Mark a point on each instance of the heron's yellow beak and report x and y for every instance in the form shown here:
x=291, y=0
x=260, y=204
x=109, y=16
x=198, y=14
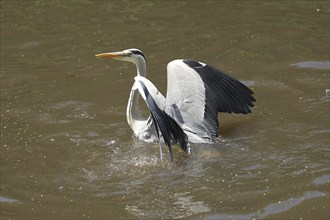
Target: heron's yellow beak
x=111, y=55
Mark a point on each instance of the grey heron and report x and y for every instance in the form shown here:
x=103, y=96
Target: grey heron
x=196, y=92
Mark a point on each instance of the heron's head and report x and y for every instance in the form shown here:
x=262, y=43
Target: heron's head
x=131, y=55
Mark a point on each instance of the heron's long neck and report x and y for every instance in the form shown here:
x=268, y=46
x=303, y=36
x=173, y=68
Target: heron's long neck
x=141, y=67
x=133, y=113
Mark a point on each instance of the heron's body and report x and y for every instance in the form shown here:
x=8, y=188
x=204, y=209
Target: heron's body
x=144, y=129
x=196, y=92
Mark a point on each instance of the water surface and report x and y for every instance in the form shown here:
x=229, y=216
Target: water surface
x=68, y=153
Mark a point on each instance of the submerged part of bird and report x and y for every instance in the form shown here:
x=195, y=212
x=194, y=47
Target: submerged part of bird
x=196, y=93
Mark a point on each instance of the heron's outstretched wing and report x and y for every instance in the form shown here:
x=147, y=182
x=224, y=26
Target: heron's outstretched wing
x=167, y=126
x=196, y=92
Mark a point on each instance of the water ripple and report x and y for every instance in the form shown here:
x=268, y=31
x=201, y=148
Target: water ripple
x=323, y=65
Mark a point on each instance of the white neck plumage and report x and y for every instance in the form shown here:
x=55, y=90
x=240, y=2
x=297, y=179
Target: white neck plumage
x=133, y=113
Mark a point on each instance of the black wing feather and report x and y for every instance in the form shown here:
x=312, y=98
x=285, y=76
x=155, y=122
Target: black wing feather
x=167, y=126
x=223, y=94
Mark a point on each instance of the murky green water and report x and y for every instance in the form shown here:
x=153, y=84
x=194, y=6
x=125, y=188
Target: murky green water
x=68, y=153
